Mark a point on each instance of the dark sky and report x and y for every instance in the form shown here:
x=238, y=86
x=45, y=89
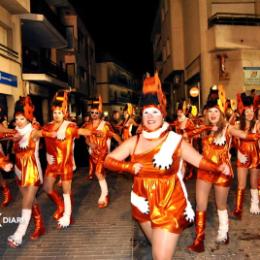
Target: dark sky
x=122, y=28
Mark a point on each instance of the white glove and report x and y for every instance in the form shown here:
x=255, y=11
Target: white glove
x=140, y=202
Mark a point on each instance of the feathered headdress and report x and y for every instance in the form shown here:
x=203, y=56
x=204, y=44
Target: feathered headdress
x=98, y=103
x=153, y=94
x=182, y=105
x=129, y=108
x=217, y=98
x=60, y=101
x=243, y=102
x=25, y=106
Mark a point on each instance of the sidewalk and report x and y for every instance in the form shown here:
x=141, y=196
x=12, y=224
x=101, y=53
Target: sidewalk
x=97, y=233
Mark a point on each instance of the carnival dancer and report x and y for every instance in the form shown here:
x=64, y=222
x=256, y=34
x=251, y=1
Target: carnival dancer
x=216, y=146
x=182, y=125
x=7, y=197
x=159, y=197
x=28, y=172
x=128, y=122
x=59, y=139
x=99, y=143
x=247, y=157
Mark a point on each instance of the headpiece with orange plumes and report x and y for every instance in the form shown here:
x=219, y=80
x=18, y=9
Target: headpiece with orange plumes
x=243, y=102
x=60, y=101
x=129, y=108
x=153, y=94
x=98, y=104
x=217, y=98
x=25, y=106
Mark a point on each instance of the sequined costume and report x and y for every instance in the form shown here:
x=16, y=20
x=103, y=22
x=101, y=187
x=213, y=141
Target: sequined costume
x=100, y=138
x=27, y=163
x=247, y=153
x=59, y=150
x=216, y=149
x=162, y=189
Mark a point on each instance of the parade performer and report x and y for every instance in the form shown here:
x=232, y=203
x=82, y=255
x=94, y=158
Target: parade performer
x=28, y=172
x=159, y=197
x=215, y=145
x=182, y=125
x=128, y=122
x=59, y=139
x=247, y=157
x=7, y=197
x=99, y=143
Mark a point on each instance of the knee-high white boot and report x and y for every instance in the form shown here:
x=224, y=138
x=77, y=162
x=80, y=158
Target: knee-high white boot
x=223, y=227
x=64, y=221
x=254, y=208
x=16, y=239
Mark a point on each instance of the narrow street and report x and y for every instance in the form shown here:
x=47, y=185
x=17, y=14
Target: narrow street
x=110, y=233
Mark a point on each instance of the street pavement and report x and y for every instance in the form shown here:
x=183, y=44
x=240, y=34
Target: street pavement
x=111, y=233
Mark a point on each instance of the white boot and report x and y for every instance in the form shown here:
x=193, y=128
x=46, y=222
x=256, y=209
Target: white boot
x=254, y=208
x=64, y=221
x=16, y=239
x=104, y=190
x=223, y=226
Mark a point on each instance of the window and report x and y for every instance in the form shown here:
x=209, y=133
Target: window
x=3, y=36
x=70, y=36
x=168, y=49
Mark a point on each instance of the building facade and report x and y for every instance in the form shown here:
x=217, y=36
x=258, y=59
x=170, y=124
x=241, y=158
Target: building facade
x=116, y=85
x=11, y=83
x=206, y=42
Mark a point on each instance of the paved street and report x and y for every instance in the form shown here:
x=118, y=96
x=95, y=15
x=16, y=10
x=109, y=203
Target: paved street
x=111, y=234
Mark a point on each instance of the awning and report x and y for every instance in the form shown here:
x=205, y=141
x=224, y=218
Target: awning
x=37, y=31
x=45, y=79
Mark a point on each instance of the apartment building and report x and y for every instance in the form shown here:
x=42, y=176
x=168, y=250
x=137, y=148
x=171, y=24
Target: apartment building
x=200, y=43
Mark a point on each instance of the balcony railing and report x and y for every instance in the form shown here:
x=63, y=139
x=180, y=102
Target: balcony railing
x=8, y=53
x=43, y=66
x=234, y=19
x=40, y=7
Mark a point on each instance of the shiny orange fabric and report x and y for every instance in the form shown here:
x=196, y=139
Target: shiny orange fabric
x=98, y=154
x=25, y=161
x=249, y=149
x=126, y=132
x=163, y=191
x=62, y=151
x=217, y=154
x=188, y=127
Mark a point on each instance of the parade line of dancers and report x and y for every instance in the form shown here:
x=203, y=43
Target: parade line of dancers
x=161, y=156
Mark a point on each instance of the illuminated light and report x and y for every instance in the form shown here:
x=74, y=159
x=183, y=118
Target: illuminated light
x=194, y=91
x=105, y=113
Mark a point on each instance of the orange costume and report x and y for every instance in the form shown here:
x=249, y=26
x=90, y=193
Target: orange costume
x=248, y=153
x=216, y=149
x=163, y=189
x=100, y=137
x=27, y=163
x=189, y=126
x=59, y=150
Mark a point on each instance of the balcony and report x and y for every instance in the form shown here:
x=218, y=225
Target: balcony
x=43, y=70
x=42, y=28
x=233, y=31
x=16, y=6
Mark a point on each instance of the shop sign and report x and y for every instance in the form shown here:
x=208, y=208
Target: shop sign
x=8, y=79
x=251, y=76
x=194, y=91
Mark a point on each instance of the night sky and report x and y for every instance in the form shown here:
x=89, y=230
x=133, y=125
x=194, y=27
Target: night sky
x=121, y=28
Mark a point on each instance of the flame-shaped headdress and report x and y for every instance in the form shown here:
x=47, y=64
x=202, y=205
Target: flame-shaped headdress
x=25, y=106
x=153, y=94
x=129, y=108
x=98, y=103
x=243, y=102
x=60, y=101
x=217, y=98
